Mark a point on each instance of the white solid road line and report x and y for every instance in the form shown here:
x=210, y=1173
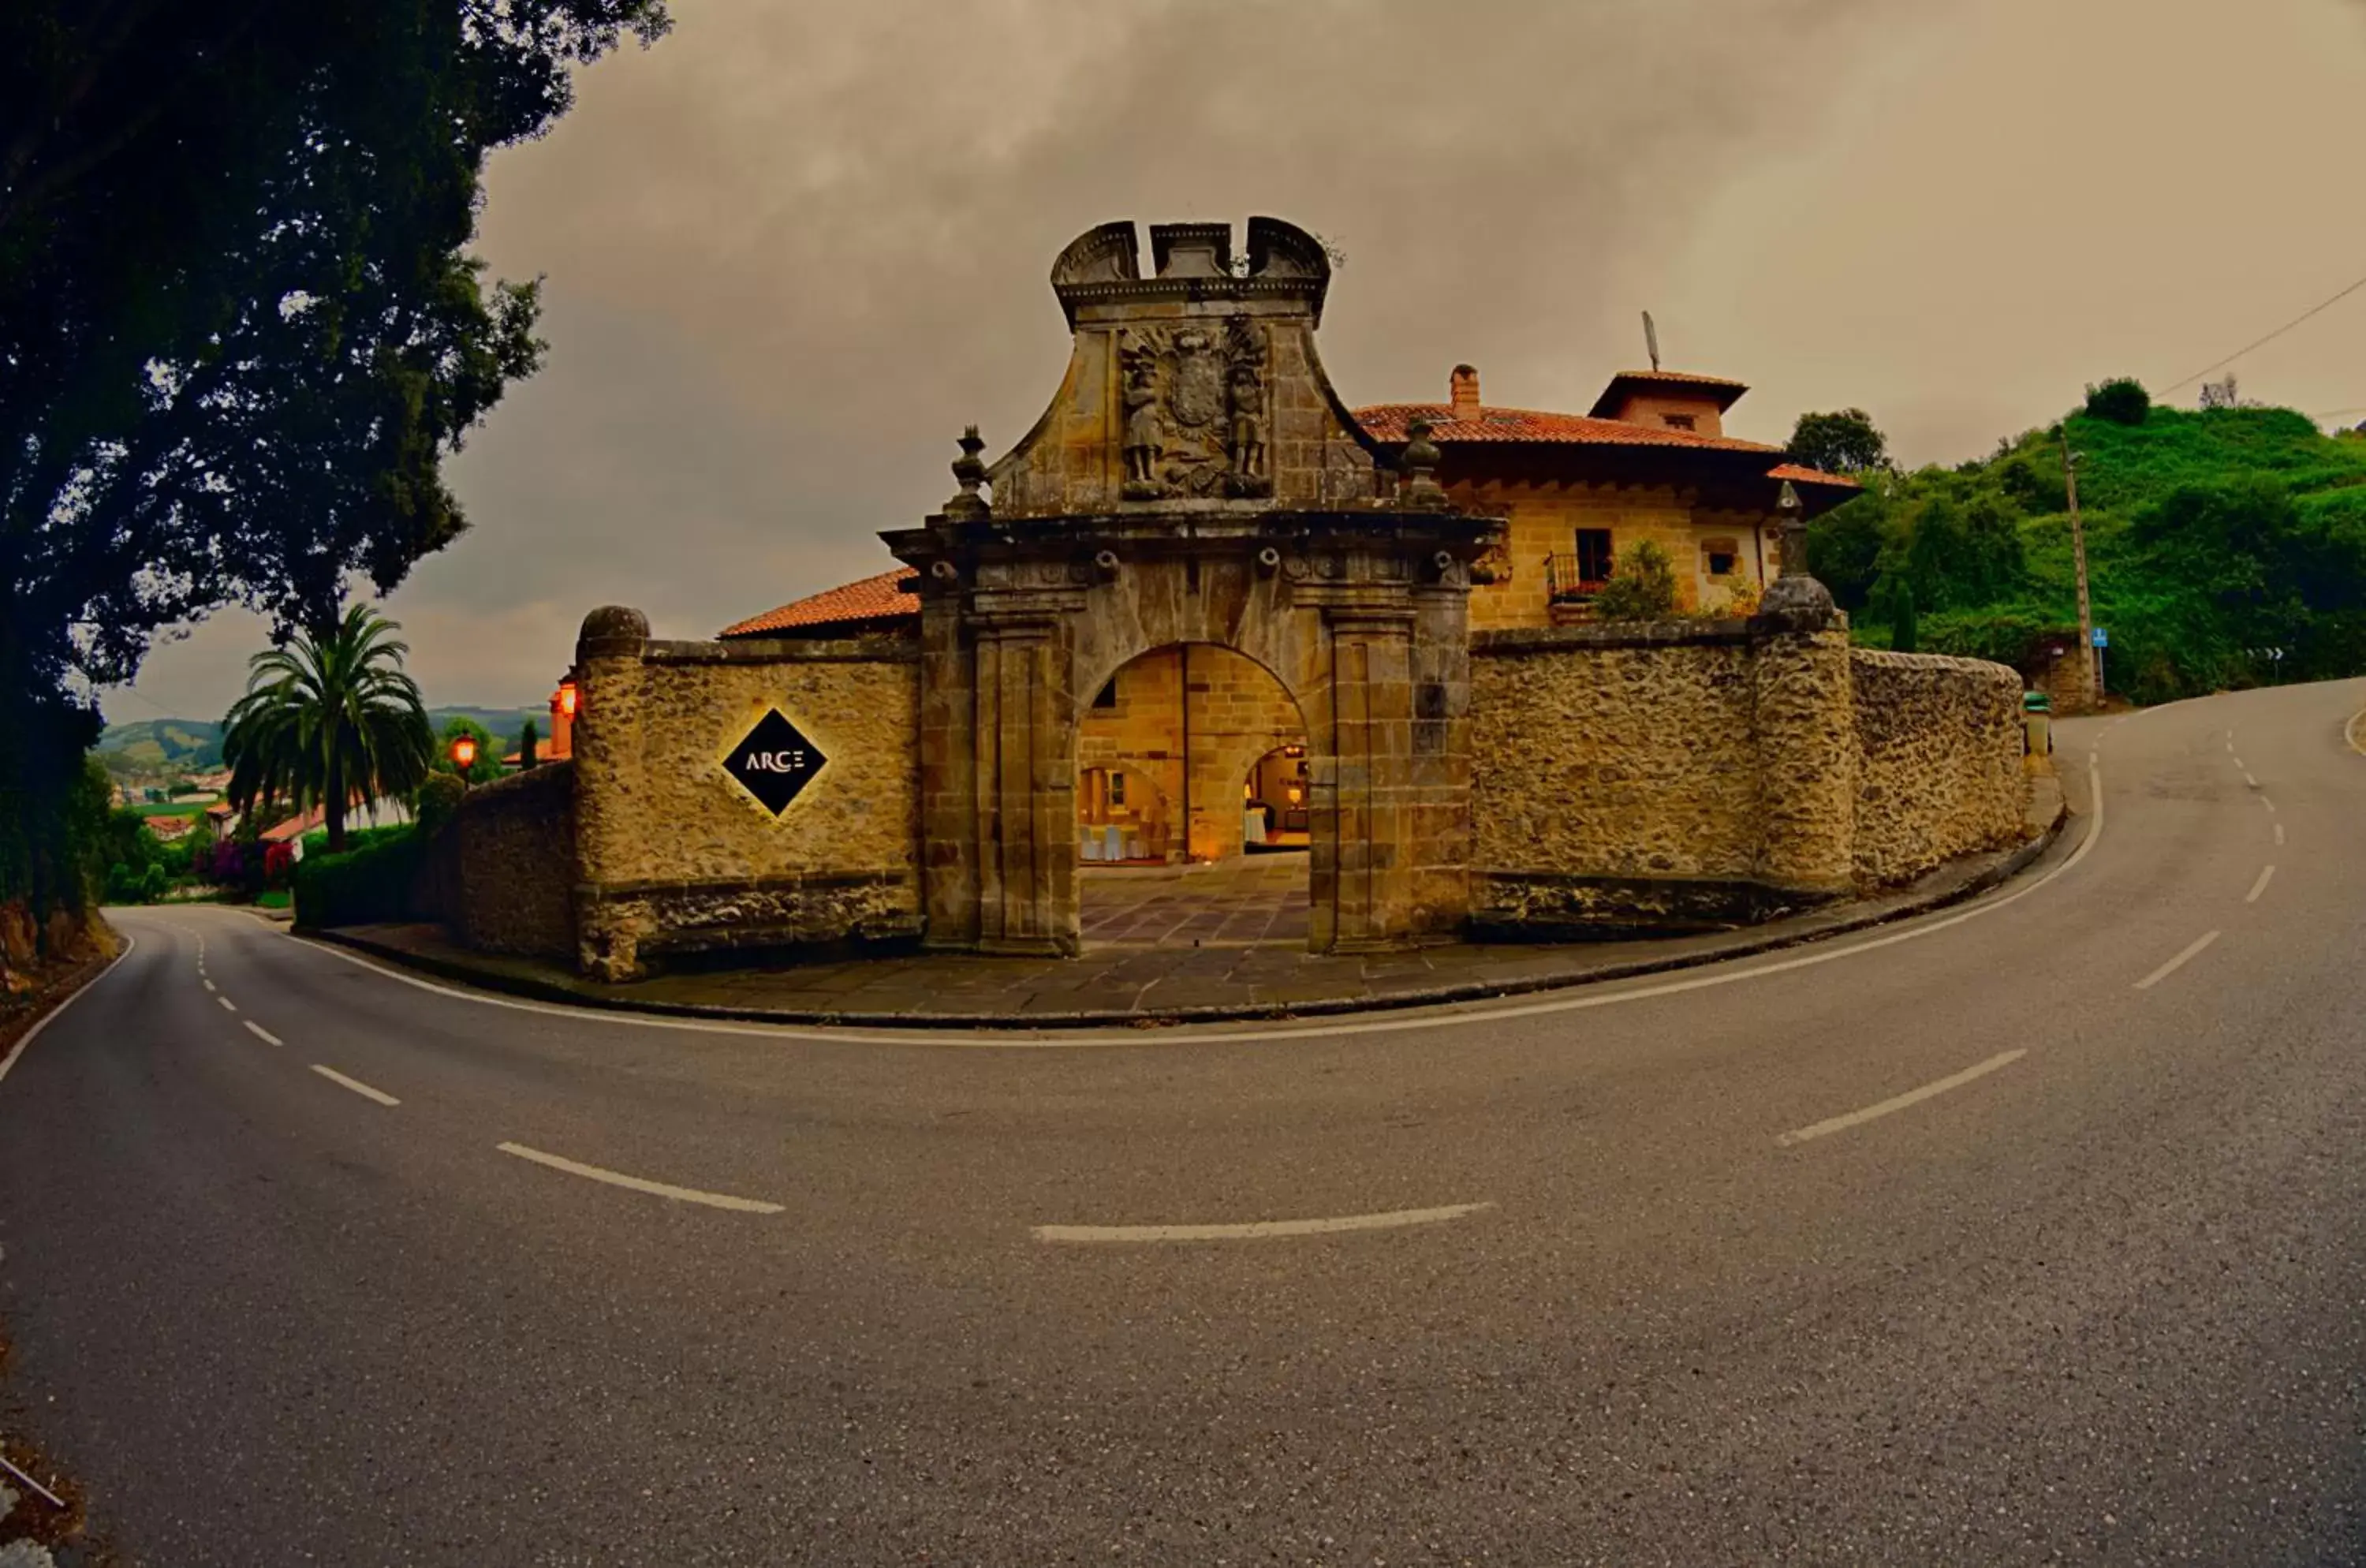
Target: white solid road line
x=1257, y=1230
x=658, y=1188
x=2350, y=732
x=227, y=1004
x=1899, y=1103
x=263, y=1035
x=1089, y=1040
x=2165, y=970
x=359, y=1087
x=2259, y=886
x=52, y=1016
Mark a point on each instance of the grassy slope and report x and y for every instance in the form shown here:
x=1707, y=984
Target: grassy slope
x=2123, y=470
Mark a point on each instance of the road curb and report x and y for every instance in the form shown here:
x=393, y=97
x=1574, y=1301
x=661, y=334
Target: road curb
x=1806, y=928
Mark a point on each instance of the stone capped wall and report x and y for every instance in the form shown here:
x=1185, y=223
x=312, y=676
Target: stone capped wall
x=500, y=873
x=672, y=853
x=1939, y=743
x=1633, y=777
x=1615, y=776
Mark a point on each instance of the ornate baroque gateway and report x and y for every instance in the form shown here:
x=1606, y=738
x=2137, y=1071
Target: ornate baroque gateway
x=1196, y=479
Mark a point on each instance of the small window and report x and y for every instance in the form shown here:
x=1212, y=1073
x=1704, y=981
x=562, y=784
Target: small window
x=1593, y=556
x=1117, y=789
x=1722, y=557
x=1677, y=420
x=1108, y=695
x=1720, y=564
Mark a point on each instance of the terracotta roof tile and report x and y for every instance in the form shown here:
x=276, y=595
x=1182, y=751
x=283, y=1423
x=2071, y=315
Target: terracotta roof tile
x=887, y=597
x=1799, y=475
x=1387, y=422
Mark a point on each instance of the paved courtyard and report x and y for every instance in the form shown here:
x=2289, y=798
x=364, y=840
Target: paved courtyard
x=1245, y=901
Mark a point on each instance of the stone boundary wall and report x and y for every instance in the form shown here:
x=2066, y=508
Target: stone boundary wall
x=1614, y=775
x=1657, y=776
x=500, y=873
x=673, y=855
x=1940, y=772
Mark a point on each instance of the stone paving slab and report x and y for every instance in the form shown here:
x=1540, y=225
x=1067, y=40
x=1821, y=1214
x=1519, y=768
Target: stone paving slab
x=1171, y=985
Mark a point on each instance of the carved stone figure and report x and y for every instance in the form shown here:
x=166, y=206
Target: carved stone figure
x=1141, y=446
x=1247, y=444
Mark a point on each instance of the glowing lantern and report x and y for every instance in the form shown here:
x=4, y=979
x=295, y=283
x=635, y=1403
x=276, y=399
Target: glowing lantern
x=564, y=701
x=463, y=753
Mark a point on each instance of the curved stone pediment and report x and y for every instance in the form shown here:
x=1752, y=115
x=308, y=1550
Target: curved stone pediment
x=1196, y=387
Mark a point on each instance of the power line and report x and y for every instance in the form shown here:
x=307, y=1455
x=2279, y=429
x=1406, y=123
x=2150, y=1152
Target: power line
x=2304, y=315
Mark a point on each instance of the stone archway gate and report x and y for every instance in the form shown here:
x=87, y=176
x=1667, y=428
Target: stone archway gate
x=1195, y=479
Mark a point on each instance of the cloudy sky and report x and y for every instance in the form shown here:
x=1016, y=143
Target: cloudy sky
x=794, y=248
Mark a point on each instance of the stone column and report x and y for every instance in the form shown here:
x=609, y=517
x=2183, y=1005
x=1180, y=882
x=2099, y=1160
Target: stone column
x=1026, y=797
x=1369, y=786
x=949, y=842
x=608, y=752
x=1806, y=728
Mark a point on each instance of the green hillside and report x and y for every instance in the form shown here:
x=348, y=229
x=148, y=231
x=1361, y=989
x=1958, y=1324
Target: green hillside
x=190, y=744
x=2212, y=537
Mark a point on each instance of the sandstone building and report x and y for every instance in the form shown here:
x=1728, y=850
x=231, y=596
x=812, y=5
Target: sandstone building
x=1203, y=607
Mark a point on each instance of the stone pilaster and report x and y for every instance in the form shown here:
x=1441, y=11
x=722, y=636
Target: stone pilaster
x=1805, y=727
x=607, y=742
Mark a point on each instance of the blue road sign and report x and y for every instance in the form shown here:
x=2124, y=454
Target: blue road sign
x=2099, y=637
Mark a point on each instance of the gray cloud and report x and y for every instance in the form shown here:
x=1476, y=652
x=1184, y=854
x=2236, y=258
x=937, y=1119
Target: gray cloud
x=792, y=251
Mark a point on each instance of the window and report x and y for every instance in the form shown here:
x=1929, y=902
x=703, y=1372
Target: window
x=1720, y=563
x=1677, y=420
x=1117, y=789
x=1107, y=697
x=1723, y=557
x=1594, y=555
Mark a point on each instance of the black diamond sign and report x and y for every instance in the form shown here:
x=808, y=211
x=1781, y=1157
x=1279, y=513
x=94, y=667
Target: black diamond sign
x=775, y=763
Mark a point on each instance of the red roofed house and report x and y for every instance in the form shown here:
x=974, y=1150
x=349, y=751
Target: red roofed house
x=1650, y=460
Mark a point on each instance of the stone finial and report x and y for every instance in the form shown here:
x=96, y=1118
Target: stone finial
x=968, y=505
x=611, y=630
x=1794, y=600
x=1420, y=491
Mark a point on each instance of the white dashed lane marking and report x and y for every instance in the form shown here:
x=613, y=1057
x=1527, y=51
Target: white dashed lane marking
x=263, y=1035
x=359, y=1087
x=1257, y=1230
x=1899, y=1103
x=227, y=1004
x=2259, y=886
x=2165, y=970
x=637, y=1184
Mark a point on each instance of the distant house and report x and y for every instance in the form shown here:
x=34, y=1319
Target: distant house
x=385, y=811
x=170, y=828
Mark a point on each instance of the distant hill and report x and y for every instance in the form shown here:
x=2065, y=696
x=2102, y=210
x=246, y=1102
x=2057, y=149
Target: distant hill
x=194, y=745
x=2213, y=539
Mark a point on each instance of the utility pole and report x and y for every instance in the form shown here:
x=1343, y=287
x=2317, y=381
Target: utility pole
x=2078, y=554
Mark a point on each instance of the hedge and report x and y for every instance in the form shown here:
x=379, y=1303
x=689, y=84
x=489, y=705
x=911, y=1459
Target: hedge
x=361, y=886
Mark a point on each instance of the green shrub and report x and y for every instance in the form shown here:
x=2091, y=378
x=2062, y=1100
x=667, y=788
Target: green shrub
x=361, y=886
x=436, y=800
x=1642, y=588
x=2122, y=401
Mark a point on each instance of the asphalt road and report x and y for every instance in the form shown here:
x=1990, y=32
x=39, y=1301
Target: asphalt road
x=2099, y=1297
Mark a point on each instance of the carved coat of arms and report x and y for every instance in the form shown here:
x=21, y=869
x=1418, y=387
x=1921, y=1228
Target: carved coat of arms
x=1194, y=402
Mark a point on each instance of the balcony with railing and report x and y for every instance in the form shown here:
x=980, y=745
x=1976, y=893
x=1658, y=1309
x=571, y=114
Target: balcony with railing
x=1566, y=584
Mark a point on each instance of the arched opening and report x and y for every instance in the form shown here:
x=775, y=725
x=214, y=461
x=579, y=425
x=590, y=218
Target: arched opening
x=1177, y=843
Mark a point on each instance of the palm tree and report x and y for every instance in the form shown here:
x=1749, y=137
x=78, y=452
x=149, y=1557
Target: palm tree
x=329, y=722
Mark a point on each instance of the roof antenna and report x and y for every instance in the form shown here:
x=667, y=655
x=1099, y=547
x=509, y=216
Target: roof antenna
x=1652, y=341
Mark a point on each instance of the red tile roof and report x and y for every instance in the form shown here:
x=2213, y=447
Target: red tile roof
x=1387, y=422
x=1806, y=475
x=1722, y=390
x=885, y=597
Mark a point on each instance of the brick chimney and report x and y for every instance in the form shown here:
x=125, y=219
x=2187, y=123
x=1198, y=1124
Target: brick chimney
x=1464, y=387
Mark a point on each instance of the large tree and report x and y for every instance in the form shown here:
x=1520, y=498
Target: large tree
x=1847, y=442
x=238, y=329
x=330, y=721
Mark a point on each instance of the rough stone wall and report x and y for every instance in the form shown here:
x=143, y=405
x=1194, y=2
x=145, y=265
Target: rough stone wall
x=1940, y=742
x=1614, y=752
x=502, y=869
x=1544, y=520
x=671, y=853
